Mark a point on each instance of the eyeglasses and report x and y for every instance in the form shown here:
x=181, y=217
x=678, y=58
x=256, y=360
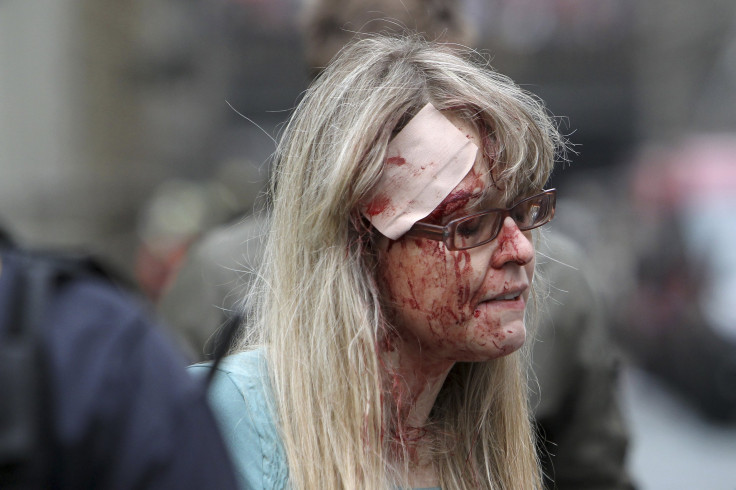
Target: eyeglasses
x=481, y=228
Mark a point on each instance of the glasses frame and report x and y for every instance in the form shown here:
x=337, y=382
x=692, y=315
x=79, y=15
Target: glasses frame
x=446, y=233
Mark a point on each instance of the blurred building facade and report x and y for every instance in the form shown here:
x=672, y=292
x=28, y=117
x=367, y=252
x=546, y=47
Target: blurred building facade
x=102, y=101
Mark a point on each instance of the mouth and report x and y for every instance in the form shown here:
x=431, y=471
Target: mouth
x=511, y=300
x=507, y=297
x=513, y=293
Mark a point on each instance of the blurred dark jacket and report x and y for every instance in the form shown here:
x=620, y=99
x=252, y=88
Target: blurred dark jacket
x=93, y=395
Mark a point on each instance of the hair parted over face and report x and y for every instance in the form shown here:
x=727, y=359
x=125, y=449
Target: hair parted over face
x=322, y=307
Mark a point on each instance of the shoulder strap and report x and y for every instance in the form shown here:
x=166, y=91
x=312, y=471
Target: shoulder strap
x=22, y=455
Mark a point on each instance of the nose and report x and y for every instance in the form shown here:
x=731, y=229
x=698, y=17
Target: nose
x=512, y=246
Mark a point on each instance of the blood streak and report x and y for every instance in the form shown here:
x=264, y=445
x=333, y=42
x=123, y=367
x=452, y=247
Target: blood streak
x=462, y=263
x=430, y=248
x=457, y=200
x=452, y=203
x=412, y=301
x=388, y=342
x=463, y=268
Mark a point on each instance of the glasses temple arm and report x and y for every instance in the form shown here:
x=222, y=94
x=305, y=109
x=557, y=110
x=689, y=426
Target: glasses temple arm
x=425, y=230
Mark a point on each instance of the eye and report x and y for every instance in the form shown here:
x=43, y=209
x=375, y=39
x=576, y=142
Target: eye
x=469, y=227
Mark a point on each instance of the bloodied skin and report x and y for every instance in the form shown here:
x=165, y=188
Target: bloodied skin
x=449, y=306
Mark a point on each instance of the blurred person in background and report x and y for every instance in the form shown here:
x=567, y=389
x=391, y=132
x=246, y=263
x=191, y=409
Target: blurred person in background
x=330, y=24
x=177, y=215
x=577, y=408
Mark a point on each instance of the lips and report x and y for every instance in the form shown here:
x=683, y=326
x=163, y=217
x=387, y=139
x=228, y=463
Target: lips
x=511, y=294
x=507, y=297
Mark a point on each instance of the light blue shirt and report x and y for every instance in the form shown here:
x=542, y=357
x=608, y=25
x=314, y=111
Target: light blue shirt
x=240, y=396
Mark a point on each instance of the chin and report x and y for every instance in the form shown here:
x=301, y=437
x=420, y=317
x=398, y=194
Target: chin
x=505, y=340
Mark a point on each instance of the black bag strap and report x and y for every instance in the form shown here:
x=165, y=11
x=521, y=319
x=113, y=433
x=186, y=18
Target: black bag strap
x=23, y=448
x=223, y=342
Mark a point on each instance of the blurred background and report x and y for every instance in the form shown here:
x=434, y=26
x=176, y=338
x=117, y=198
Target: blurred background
x=130, y=127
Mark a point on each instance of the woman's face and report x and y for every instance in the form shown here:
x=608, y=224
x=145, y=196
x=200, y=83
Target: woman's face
x=463, y=305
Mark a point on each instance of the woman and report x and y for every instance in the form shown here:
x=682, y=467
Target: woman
x=382, y=349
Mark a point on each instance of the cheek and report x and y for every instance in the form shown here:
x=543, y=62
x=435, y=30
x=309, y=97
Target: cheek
x=424, y=284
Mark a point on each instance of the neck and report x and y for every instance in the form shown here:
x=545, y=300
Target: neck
x=415, y=380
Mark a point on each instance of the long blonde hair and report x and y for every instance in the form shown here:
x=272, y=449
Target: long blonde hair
x=318, y=311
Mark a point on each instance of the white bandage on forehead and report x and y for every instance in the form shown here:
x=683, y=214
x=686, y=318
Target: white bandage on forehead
x=425, y=161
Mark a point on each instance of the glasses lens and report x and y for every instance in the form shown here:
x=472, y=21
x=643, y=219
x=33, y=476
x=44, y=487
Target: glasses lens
x=533, y=212
x=475, y=230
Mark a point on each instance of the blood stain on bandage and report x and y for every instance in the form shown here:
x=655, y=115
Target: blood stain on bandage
x=396, y=161
x=378, y=205
x=419, y=170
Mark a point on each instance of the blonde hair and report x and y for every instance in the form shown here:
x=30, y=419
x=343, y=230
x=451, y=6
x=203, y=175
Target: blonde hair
x=317, y=308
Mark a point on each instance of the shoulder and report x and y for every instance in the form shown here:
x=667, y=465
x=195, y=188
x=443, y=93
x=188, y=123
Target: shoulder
x=241, y=398
x=241, y=380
